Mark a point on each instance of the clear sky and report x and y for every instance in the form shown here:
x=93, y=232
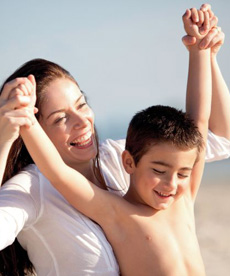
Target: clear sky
x=125, y=54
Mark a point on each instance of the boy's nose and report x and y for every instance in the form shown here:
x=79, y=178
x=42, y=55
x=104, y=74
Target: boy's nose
x=172, y=182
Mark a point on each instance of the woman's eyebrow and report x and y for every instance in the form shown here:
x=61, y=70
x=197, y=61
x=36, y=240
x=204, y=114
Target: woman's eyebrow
x=63, y=109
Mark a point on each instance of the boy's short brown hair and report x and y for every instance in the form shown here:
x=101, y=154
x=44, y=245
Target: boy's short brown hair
x=161, y=124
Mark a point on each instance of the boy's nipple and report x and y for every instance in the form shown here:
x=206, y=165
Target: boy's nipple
x=148, y=237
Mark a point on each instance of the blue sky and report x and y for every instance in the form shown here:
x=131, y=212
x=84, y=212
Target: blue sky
x=126, y=55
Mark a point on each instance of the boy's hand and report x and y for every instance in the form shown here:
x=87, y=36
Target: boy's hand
x=213, y=19
x=197, y=23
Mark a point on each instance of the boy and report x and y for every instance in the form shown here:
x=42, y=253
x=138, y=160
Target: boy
x=151, y=229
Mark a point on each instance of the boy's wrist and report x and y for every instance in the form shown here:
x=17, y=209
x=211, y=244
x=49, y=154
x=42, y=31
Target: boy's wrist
x=195, y=47
x=197, y=52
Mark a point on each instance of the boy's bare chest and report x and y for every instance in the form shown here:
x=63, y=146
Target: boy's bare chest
x=160, y=246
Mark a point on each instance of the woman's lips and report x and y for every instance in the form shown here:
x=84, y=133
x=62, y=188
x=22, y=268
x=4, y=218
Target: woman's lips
x=83, y=141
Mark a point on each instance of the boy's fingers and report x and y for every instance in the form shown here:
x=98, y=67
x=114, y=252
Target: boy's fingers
x=186, y=15
x=206, y=21
x=206, y=25
x=32, y=79
x=29, y=86
x=35, y=110
x=15, y=92
x=201, y=18
x=23, y=89
x=195, y=17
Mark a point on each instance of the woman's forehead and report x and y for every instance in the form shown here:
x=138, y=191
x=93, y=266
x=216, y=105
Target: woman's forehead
x=61, y=93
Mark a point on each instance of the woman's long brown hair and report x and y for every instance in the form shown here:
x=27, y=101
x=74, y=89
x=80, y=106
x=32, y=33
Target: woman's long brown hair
x=14, y=260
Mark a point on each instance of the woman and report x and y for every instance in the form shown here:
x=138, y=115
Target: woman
x=58, y=239
x=48, y=223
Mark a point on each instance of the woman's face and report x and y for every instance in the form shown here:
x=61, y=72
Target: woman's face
x=69, y=122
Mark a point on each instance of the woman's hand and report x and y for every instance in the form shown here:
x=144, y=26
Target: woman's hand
x=16, y=105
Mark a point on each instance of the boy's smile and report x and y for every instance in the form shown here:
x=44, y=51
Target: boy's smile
x=161, y=176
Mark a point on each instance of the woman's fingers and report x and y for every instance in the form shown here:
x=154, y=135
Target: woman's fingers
x=12, y=120
x=214, y=37
x=207, y=8
x=23, y=86
x=188, y=40
x=9, y=86
x=16, y=102
x=206, y=24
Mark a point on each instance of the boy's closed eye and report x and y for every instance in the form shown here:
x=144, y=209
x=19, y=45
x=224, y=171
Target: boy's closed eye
x=158, y=171
x=182, y=175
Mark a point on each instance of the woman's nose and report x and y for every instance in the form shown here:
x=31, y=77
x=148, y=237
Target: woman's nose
x=79, y=121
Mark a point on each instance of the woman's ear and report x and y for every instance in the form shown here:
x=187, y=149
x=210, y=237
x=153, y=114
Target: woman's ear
x=128, y=162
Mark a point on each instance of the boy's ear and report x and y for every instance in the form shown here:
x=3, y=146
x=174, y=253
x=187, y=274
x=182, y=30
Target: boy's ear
x=128, y=162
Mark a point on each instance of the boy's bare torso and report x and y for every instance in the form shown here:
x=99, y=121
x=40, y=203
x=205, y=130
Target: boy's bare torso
x=162, y=243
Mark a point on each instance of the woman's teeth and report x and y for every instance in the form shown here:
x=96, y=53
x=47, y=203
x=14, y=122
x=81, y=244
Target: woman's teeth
x=83, y=140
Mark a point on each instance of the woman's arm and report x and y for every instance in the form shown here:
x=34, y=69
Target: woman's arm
x=12, y=116
x=19, y=204
x=219, y=122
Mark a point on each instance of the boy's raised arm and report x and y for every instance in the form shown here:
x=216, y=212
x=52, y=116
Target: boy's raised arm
x=77, y=189
x=198, y=99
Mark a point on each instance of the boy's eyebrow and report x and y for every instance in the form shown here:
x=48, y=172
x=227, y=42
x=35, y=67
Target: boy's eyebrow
x=169, y=166
x=61, y=110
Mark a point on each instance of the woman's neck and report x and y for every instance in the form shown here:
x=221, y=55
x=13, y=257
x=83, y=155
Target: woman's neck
x=87, y=170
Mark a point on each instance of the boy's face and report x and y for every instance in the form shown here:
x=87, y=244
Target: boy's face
x=162, y=175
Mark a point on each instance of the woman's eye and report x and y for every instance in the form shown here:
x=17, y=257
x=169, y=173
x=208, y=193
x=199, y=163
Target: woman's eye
x=157, y=171
x=81, y=105
x=60, y=119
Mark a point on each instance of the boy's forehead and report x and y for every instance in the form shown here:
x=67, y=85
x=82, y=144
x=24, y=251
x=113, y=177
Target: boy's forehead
x=162, y=150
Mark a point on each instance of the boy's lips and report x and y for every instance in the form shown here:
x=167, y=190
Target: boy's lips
x=163, y=195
